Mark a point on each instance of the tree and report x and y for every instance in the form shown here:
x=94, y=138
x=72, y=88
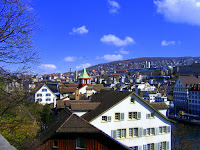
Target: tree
x=180, y=139
x=16, y=30
x=46, y=115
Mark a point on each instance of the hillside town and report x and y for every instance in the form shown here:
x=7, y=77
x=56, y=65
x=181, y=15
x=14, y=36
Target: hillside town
x=131, y=108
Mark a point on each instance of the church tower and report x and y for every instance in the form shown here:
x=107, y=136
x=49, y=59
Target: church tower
x=84, y=79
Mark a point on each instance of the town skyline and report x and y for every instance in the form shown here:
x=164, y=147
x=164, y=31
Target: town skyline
x=71, y=32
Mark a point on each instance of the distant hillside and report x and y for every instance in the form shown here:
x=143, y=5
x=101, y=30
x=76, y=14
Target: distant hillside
x=139, y=62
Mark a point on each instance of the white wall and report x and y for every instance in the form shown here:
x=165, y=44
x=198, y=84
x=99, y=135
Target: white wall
x=124, y=107
x=44, y=97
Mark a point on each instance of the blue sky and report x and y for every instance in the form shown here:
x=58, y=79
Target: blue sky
x=99, y=31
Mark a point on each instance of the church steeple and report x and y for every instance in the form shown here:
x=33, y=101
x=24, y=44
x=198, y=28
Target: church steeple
x=84, y=79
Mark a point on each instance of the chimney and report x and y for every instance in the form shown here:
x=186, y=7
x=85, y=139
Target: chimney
x=77, y=97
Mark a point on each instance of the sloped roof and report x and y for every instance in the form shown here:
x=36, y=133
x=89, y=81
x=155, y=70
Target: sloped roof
x=84, y=106
x=110, y=98
x=67, y=89
x=189, y=80
x=84, y=74
x=107, y=99
x=159, y=105
x=67, y=103
x=67, y=123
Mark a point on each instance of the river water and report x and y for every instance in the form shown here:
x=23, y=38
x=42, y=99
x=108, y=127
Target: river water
x=186, y=134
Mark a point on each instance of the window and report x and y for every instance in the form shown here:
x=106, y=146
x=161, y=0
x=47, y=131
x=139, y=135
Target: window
x=134, y=115
x=48, y=99
x=121, y=133
x=150, y=116
x=150, y=131
x=39, y=99
x=148, y=146
x=119, y=116
x=164, y=129
x=132, y=100
x=55, y=144
x=106, y=118
x=48, y=94
x=80, y=143
x=39, y=95
x=133, y=132
x=162, y=146
x=44, y=90
x=134, y=148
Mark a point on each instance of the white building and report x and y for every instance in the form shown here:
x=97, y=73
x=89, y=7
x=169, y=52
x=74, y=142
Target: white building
x=45, y=96
x=132, y=121
x=144, y=87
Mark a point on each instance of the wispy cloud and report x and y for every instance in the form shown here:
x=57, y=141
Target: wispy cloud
x=111, y=57
x=122, y=51
x=80, y=30
x=180, y=11
x=70, y=58
x=113, y=6
x=169, y=43
x=47, y=66
x=82, y=66
x=112, y=39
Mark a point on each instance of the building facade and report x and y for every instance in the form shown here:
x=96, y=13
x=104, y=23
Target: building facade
x=131, y=121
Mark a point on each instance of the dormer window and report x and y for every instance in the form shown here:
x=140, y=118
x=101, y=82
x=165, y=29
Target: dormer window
x=132, y=100
x=44, y=90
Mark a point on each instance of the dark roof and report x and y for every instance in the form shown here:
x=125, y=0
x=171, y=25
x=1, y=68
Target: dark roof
x=68, y=123
x=107, y=99
x=44, y=135
x=110, y=98
x=67, y=103
x=84, y=106
x=67, y=89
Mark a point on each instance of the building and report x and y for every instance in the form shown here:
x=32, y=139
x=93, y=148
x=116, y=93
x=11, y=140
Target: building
x=44, y=95
x=84, y=79
x=194, y=100
x=130, y=120
x=70, y=132
x=180, y=92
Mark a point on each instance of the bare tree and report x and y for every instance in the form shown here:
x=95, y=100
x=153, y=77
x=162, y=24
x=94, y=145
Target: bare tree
x=16, y=31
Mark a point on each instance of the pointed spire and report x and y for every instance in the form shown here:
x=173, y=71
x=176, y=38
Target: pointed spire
x=84, y=73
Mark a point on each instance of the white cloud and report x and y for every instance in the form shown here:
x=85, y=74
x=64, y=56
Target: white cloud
x=47, y=66
x=169, y=43
x=80, y=30
x=82, y=66
x=112, y=57
x=114, y=6
x=122, y=51
x=180, y=11
x=70, y=58
x=117, y=41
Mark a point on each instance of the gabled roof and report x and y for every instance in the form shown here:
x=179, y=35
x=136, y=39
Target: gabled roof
x=67, y=123
x=109, y=99
x=189, y=80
